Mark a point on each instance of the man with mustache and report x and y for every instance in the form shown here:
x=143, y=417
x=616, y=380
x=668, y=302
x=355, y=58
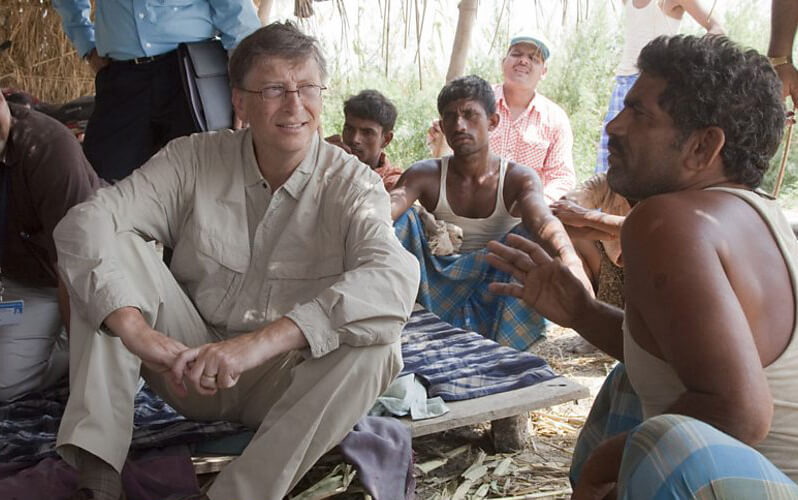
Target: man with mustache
x=369, y=118
x=705, y=401
x=643, y=21
x=532, y=130
x=480, y=192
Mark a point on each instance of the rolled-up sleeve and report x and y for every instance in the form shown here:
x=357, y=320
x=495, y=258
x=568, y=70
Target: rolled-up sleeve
x=374, y=297
x=235, y=19
x=146, y=203
x=77, y=23
x=558, y=173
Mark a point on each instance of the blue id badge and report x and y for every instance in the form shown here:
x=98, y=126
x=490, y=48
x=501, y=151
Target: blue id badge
x=11, y=311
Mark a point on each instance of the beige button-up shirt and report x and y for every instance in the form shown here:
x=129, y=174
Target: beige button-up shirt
x=323, y=252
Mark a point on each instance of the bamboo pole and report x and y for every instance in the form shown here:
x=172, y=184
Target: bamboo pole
x=783, y=165
x=462, y=38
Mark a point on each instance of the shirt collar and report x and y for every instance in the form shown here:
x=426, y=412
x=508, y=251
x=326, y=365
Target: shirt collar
x=296, y=181
x=383, y=161
x=299, y=178
x=498, y=90
x=252, y=173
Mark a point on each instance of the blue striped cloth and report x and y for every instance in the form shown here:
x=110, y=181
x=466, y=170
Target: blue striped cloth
x=616, y=409
x=456, y=364
x=28, y=426
x=620, y=88
x=674, y=456
x=455, y=287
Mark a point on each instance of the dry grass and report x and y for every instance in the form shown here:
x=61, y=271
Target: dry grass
x=41, y=59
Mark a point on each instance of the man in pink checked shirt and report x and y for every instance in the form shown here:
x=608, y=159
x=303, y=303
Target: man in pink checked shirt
x=532, y=130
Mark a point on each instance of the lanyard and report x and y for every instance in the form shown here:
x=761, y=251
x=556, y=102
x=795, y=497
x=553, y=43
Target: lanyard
x=3, y=216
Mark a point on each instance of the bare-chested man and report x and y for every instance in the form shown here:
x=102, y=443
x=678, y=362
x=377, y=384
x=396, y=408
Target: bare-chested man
x=476, y=190
x=711, y=274
x=473, y=175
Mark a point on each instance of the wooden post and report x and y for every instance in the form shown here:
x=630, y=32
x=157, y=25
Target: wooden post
x=462, y=38
x=263, y=11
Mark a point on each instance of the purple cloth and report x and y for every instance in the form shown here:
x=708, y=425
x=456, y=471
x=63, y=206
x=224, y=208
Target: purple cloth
x=380, y=448
x=150, y=475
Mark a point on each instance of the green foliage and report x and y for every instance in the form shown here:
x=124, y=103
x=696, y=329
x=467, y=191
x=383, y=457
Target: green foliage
x=579, y=79
x=416, y=110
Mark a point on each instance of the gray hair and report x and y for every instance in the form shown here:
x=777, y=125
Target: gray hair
x=283, y=40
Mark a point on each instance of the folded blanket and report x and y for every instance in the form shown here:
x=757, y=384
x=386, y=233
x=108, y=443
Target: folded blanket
x=455, y=287
x=456, y=364
x=28, y=426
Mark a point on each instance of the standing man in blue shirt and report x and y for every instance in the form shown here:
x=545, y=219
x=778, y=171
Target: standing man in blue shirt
x=131, y=46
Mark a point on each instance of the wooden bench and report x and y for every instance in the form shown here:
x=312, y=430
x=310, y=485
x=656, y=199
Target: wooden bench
x=493, y=408
x=501, y=409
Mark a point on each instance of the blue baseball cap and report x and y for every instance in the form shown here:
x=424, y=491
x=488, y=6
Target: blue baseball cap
x=534, y=38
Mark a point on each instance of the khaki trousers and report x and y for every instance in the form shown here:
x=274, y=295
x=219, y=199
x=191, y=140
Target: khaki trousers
x=33, y=354
x=300, y=408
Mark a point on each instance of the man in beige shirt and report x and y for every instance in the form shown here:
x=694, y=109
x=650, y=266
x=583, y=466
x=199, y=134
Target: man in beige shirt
x=286, y=296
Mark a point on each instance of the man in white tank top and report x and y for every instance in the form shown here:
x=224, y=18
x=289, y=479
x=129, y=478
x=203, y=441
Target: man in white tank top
x=708, y=336
x=474, y=189
x=644, y=20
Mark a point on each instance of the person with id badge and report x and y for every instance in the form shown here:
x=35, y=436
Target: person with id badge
x=42, y=174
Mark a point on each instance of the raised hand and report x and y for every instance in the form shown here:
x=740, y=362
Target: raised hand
x=542, y=282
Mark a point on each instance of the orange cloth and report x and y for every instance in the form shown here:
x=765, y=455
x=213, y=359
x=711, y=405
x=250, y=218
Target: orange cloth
x=390, y=174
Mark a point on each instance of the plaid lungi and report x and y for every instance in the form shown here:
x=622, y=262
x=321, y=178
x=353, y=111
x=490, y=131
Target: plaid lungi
x=455, y=287
x=616, y=409
x=619, y=90
x=674, y=456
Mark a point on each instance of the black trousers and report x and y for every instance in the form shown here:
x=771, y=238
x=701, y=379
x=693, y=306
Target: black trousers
x=138, y=109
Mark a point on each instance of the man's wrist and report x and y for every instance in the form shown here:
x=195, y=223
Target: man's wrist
x=589, y=314
x=777, y=61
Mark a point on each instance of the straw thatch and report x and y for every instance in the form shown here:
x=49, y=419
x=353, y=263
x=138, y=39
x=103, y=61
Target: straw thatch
x=41, y=59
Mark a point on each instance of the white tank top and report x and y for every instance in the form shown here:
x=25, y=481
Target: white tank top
x=640, y=27
x=477, y=232
x=658, y=386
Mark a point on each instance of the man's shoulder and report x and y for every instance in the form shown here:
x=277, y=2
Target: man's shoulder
x=684, y=216
x=36, y=126
x=206, y=145
x=35, y=136
x=550, y=110
x=340, y=169
x=430, y=167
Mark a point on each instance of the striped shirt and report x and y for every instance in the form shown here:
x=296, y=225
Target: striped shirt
x=539, y=138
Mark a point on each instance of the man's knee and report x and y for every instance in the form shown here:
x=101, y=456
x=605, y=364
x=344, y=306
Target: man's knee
x=656, y=449
x=22, y=371
x=382, y=361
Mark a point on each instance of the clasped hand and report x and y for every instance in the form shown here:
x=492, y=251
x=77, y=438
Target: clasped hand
x=206, y=368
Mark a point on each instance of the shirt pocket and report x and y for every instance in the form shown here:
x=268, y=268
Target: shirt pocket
x=211, y=270
x=295, y=281
x=169, y=10
x=537, y=144
x=170, y=3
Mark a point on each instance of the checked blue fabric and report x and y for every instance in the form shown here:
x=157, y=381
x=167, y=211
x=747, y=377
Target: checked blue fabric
x=620, y=88
x=671, y=457
x=29, y=425
x=455, y=287
x=455, y=364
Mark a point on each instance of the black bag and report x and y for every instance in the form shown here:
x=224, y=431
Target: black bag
x=203, y=68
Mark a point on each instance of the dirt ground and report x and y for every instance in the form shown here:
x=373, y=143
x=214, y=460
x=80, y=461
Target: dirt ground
x=462, y=464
